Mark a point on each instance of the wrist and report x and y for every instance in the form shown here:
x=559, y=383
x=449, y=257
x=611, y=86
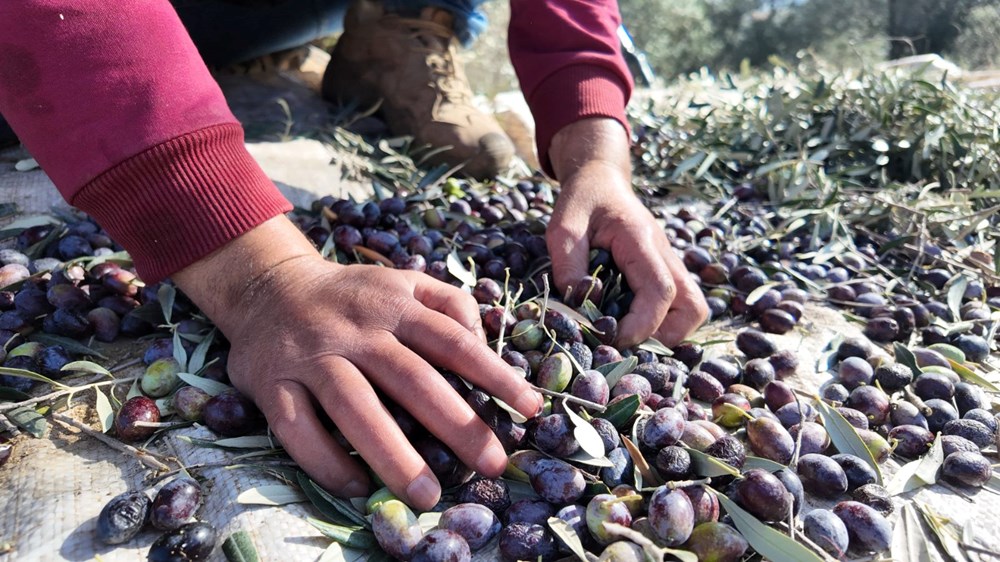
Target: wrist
x=243, y=271
x=593, y=141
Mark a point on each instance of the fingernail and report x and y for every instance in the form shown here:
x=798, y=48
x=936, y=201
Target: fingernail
x=356, y=489
x=423, y=491
x=529, y=401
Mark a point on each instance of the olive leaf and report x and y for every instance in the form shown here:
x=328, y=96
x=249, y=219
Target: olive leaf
x=621, y=411
x=428, y=520
x=336, y=552
x=706, y=465
x=333, y=508
x=239, y=548
x=8, y=394
x=756, y=294
x=211, y=387
x=353, y=537
x=583, y=457
x=586, y=435
x=180, y=354
x=105, y=413
x=31, y=375
x=275, y=494
x=946, y=533
x=567, y=534
x=459, y=271
x=86, y=367
x=649, y=477
x=133, y=390
x=621, y=368
x=166, y=295
x=970, y=375
x=653, y=345
x=581, y=319
x=909, y=540
x=768, y=542
x=515, y=416
x=931, y=462
x=244, y=442
x=762, y=463
x=197, y=360
x=29, y=420
x=845, y=438
x=956, y=291
x=906, y=357
x=68, y=344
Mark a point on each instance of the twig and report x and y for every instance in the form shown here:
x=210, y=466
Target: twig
x=72, y=390
x=126, y=365
x=570, y=398
x=145, y=457
x=9, y=427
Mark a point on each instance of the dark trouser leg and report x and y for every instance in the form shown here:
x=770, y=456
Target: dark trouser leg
x=231, y=31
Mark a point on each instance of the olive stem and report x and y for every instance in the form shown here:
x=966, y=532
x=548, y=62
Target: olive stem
x=9, y=427
x=159, y=425
x=71, y=390
x=145, y=457
x=689, y=483
x=569, y=398
x=912, y=398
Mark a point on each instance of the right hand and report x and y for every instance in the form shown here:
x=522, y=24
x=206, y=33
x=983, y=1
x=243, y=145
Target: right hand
x=309, y=335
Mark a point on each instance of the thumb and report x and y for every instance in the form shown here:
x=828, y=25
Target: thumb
x=569, y=248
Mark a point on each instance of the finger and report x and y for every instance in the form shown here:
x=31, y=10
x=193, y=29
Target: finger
x=652, y=283
x=292, y=418
x=423, y=392
x=569, y=248
x=450, y=301
x=446, y=345
x=353, y=405
x=689, y=309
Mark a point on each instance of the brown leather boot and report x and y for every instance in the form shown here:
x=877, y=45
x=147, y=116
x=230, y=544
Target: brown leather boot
x=411, y=65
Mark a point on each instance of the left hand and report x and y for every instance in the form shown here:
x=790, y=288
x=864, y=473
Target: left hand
x=597, y=208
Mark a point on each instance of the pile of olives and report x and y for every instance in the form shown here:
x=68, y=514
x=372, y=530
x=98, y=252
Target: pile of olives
x=628, y=437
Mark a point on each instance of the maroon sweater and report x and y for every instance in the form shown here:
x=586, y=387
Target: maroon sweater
x=114, y=102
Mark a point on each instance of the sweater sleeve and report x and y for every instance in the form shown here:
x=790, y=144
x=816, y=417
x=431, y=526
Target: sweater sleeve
x=114, y=102
x=568, y=60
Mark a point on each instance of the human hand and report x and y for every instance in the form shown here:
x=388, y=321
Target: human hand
x=597, y=208
x=308, y=336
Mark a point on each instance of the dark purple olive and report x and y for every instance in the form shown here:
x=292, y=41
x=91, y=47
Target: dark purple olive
x=175, y=504
x=123, y=517
x=822, y=476
x=858, y=472
x=893, y=376
x=777, y=321
x=754, y=344
x=763, y=495
x=136, y=409
x=441, y=545
x=231, y=414
x=972, y=430
x=911, y=441
x=967, y=469
x=871, y=402
x=191, y=543
x=875, y=497
x=854, y=372
x=869, y=531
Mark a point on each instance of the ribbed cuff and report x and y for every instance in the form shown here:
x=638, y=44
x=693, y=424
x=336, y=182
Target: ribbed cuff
x=181, y=200
x=574, y=93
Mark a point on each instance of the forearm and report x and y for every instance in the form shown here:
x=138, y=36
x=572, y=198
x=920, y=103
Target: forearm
x=568, y=60
x=114, y=102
